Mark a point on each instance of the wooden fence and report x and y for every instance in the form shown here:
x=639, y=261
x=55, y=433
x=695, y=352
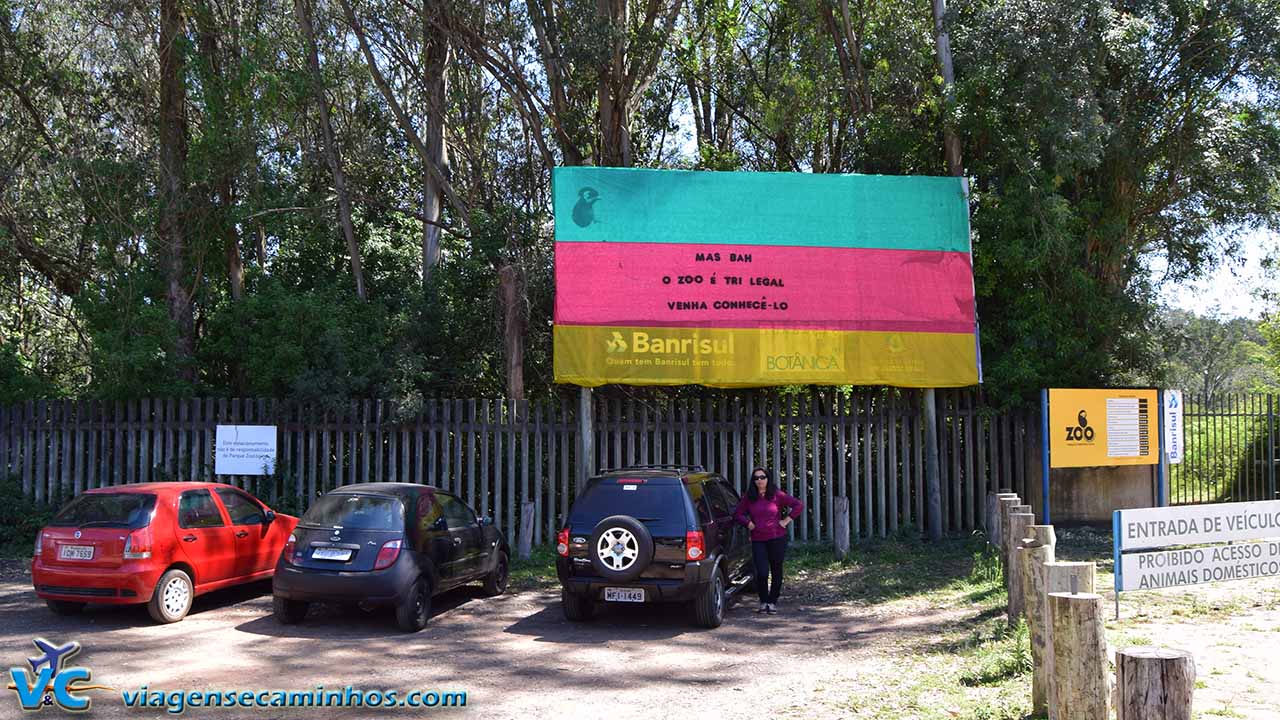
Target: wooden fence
x=497, y=454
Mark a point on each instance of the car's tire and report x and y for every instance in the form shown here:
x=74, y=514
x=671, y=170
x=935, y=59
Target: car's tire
x=627, y=548
x=577, y=608
x=171, y=600
x=65, y=607
x=289, y=612
x=709, y=604
x=495, y=583
x=414, y=610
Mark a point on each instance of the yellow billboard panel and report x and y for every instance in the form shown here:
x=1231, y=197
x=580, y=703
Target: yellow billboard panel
x=1094, y=428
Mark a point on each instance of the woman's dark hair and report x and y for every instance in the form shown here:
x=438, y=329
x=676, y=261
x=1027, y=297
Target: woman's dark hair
x=770, y=490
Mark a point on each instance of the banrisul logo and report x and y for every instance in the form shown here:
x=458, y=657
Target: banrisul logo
x=50, y=681
x=1080, y=433
x=616, y=343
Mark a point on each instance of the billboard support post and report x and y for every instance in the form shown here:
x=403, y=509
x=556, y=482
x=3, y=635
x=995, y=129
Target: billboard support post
x=933, y=487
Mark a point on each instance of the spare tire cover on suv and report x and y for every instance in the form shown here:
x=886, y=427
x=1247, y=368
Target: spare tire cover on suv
x=621, y=548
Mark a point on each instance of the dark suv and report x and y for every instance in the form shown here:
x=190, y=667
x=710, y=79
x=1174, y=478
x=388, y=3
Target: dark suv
x=654, y=534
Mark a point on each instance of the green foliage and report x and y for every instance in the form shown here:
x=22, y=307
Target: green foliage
x=20, y=519
x=1006, y=654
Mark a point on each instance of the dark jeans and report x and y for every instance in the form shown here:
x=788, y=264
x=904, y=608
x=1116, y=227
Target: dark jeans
x=768, y=555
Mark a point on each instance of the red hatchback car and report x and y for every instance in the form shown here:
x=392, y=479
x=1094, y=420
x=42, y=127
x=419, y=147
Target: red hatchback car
x=155, y=543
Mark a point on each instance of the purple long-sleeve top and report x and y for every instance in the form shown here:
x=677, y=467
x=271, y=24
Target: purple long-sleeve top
x=766, y=514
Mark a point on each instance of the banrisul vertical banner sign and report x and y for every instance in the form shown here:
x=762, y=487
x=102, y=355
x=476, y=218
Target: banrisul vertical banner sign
x=755, y=279
x=1173, y=425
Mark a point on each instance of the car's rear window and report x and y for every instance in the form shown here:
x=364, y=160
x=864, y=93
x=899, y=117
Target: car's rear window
x=115, y=510
x=356, y=512
x=663, y=508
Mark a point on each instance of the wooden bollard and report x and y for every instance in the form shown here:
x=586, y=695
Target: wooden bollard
x=840, y=510
x=1015, y=536
x=1057, y=576
x=526, y=530
x=1154, y=684
x=1018, y=523
x=1080, y=676
x=1043, y=534
x=995, y=524
x=1033, y=556
x=1006, y=505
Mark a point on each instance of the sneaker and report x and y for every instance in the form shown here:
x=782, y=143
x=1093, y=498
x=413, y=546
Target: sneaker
x=764, y=607
x=771, y=608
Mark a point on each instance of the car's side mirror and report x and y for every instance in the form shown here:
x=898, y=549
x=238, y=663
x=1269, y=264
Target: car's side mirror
x=271, y=517
x=486, y=520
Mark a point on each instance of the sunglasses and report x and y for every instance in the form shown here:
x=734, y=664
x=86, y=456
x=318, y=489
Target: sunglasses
x=759, y=477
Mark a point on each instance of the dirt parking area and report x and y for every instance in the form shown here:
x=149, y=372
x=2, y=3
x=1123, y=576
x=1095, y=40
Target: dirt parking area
x=902, y=630
x=515, y=656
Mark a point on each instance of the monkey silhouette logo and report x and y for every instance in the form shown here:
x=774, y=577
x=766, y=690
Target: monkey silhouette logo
x=1081, y=432
x=584, y=211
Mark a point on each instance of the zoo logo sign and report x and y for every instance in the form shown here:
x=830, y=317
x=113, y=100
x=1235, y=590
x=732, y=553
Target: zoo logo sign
x=1080, y=433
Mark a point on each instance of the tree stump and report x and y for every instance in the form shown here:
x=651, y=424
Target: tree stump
x=1080, y=676
x=1044, y=535
x=840, y=512
x=526, y=530
x=1033, y=558
x=1058, y=576
x=1018, y=523
x=995, y=525
x=1006, y=505
x=1154, y=684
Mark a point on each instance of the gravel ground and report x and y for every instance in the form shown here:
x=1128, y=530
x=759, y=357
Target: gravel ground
x=515, y=656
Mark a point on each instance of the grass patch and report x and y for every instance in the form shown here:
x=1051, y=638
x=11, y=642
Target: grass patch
x=1004, y=656
x=536, y=573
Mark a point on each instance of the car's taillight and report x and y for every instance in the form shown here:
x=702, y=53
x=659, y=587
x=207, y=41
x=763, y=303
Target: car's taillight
x=695, y=546
x=290, y=547
x=39, y=542
x=387, y=555
x=562, y=542
x=138, y=545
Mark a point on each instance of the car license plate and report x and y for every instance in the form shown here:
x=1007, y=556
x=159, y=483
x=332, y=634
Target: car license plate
x=75, y=552
x=325, y=553
x=623, y=595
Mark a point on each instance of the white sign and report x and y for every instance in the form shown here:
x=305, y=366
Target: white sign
x=1192, y=566
x=1173, y=425
x=245, y=450
x=1198, y=524
x=1128, y=423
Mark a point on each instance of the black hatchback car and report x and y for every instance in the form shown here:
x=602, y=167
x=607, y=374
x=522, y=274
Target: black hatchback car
x=654, y=534
x=393, y=544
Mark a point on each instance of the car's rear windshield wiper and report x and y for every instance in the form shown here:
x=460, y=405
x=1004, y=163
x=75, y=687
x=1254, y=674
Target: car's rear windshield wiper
x=103, y=523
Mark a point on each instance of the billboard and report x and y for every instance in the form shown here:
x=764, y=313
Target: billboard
x=755, y=279
x=1095, y=428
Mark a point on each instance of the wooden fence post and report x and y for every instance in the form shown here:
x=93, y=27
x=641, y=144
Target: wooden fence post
x=1037, y=551
x=1057, y=576
x=841, y=518
x=1080, y=675
x=1018, y=523
x=527, y=521
x=1007, y=503
x=1154, y=684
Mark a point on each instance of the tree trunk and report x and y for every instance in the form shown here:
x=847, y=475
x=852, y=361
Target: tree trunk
x=437, y=53
x=173, y=186
x=1154, y=684
x=1018, y=523
x=334, y=159
x=1034, y=555
x=942, y=40
x=1080, y=677
x=510, y=290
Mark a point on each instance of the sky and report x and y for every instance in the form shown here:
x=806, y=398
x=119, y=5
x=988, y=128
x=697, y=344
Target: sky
x=1230, y=288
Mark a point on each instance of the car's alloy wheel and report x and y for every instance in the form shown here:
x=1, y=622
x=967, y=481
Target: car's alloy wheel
x=172, y=598
x=618, y=549
x=412, y=614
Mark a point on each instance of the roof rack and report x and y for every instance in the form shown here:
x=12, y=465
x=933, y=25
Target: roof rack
x=660, y=466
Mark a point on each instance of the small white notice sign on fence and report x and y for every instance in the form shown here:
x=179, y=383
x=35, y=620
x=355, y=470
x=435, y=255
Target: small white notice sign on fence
x=245, y=450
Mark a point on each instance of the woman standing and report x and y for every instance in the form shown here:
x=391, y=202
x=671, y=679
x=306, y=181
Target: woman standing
x=762, y=511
